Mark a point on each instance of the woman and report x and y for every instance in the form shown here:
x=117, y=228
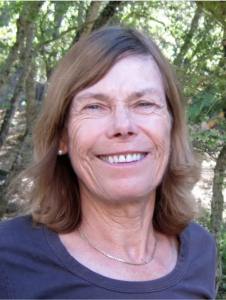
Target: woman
x=110, y=189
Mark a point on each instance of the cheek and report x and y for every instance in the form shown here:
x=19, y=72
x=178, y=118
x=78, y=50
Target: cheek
x=83, y=133
x=157, y=128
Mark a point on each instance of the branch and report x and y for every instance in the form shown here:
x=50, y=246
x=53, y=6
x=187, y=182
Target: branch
x=188, y=40
x=106, y=14
x=91, y=14
x=42, y=44
x=211, y=13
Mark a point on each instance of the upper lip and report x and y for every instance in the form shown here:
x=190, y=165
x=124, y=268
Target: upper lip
x=124, y=153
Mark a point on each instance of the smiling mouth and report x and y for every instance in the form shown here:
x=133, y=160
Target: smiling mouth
x=116, y=159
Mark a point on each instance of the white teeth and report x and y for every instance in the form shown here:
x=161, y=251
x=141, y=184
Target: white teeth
x=115, y=159
x=122, y=158
x=129, y=158
x=111, y=160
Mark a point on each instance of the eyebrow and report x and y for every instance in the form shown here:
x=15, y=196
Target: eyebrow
x=97, y=96
x=132, y=96
x=148, y=91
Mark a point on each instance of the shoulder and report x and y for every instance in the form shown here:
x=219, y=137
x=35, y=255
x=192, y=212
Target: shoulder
x=18, y=232
x=16, y=223
x=198, y=234
x=15, y=235
x=200, y=245
x=15, y=226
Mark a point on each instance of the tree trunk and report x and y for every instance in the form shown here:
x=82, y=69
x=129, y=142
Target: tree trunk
x=106, y=14
x=217, y=204
x=21, y=83
x=31, y=97
x=28, y=14
x=213, y=11
x=217, y=208
x=80, y=18
x=22, y=158
x=61, y=8
x=91, y=15
x=13, y=54
x=188, y=40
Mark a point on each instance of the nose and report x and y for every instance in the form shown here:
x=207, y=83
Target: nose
x=122, y=124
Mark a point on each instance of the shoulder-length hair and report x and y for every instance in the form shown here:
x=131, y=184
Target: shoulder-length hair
x=52, y=184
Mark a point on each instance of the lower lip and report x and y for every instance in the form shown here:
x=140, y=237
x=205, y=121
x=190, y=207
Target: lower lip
x=128, y=164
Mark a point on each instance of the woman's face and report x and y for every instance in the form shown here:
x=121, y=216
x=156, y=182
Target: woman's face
x=118, y=133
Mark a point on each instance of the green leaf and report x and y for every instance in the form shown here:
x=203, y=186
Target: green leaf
x=194, y=135
x=207, y=99
x=204, y=137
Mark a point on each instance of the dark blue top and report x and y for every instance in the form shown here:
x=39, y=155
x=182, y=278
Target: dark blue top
x=34, y=264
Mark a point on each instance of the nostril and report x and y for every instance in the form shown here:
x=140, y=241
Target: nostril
x=122, y=134
x=117, y=134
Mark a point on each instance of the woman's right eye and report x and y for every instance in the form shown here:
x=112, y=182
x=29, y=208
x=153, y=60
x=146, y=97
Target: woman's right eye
x=95, y=109
x=94, y=106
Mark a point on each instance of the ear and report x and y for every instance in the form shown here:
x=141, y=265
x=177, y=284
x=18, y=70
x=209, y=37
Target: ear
x=64, y=141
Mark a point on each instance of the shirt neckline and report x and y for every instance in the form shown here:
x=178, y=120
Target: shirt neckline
x=120, y=285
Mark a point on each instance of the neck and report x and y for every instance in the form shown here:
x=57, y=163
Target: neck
x=124, y=229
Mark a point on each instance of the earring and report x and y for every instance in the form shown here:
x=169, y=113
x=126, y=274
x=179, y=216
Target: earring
x=60, y=152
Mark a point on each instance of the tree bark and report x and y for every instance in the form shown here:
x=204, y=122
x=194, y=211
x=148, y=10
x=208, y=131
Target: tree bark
x=91, y=15
x=28, y=13
x=22, y=158
x=217, y=208
x=31, y=97
x=216, y=11
x=61, y=8
x=33, y=9
x=21, y=83
x=13, y=54
x=106, y=14
x=217, y=204
x=188, y=40
x=80, y=18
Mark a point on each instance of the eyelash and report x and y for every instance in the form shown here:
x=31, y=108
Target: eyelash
x=145, y=104
x=92, y=106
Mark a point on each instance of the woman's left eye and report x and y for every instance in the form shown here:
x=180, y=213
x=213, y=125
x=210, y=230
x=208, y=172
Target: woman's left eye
x=145, y=104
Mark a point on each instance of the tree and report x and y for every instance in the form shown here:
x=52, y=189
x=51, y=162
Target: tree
x=13, y=54
x=28, y=55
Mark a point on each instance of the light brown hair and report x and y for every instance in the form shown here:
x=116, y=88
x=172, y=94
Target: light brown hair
x=53, y=197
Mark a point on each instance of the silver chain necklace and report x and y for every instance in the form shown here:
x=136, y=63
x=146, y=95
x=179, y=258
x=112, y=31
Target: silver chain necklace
x=116, y=258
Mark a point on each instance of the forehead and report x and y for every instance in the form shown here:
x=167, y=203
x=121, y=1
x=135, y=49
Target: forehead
x=128, y=76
